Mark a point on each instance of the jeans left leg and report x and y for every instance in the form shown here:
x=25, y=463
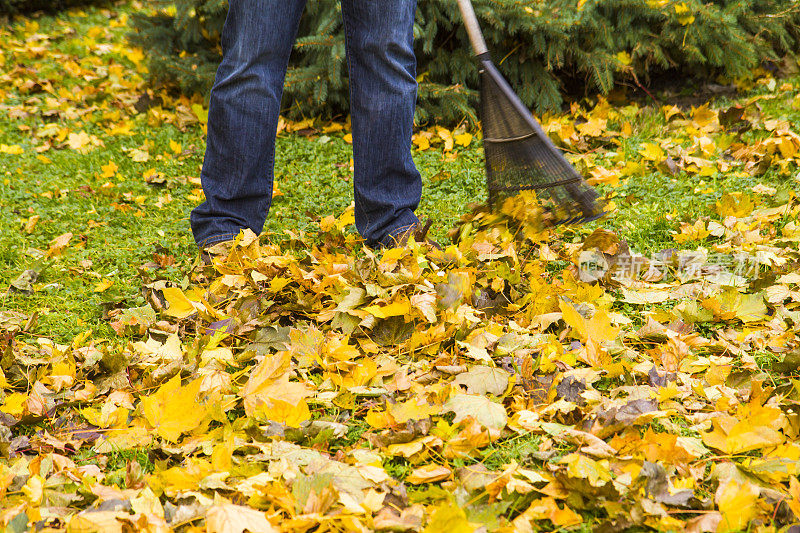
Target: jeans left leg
x=243, y=117
x=383, y=93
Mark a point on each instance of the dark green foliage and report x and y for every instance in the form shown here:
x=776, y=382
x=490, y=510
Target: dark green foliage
x=15, y=7
x=540, y=45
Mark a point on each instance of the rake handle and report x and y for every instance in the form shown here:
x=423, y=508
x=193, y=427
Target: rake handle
x=473, y=28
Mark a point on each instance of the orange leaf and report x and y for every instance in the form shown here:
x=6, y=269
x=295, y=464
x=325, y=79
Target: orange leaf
x=428, y=474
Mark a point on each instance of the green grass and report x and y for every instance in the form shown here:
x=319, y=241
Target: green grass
x=517, y=449
x=118, y=227
x=115, y=463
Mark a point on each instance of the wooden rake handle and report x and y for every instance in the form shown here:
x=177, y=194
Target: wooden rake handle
x=473, y=28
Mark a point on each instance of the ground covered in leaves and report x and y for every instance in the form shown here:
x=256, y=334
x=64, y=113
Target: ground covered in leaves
x=638, y=373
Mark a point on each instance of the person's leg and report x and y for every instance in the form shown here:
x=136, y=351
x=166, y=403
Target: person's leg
x=243, y=118
x=383, y=92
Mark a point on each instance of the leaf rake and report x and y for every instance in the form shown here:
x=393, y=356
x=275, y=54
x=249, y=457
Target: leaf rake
x=519, y=155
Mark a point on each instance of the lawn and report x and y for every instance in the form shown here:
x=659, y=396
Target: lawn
x=354, y=363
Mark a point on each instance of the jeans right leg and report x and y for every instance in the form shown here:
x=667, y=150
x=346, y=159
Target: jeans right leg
x=383, y=92
x=243, y=118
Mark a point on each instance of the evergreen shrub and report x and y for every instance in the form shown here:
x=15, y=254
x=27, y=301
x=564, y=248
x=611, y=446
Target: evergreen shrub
x=17, y=7
x=540, y=45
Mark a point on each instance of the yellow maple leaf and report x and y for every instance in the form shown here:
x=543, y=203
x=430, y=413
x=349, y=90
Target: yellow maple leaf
x=652, y=152
x=399, y=308
x=14, y=403
x=58, y=244
x=109, y=170
x=735, y=204
x=597, y=473
x=604, y=176
x=347, y=218
x=448, y=518
x=447, y=137
x=103, y=285
x=175, y=147
x=703, y=116
x=30, y=224
x=705, y=145
x=173, y=410
x=791, y=231
x=13, y=149
x=670, y=111
x=547, y=509
x=378, y=419
x=291, y=412
x=78, y=141
x=593, y=332
x=134, y=55
x=269, y=394
x=277, y=283
x=794, y=492
x=598, y=328
x=411, y=409
x=594, y=127
x=121, y=128
x=333, y=127
x=463, y=139
x=140, y=156
x=184, y=477
x=692, y=232
x=225, y=517
x=392, y=255
x=755, y=428
x=421, y=141
x=787, y=147
x=179, y=305
x=300, y=125
x=738, y=504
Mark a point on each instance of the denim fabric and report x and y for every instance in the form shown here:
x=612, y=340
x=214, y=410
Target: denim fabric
x=237, y=171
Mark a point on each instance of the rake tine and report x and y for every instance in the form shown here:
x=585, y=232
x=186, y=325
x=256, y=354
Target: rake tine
x=518, y=153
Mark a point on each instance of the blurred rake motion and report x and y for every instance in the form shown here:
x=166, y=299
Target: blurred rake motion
x=519, y=155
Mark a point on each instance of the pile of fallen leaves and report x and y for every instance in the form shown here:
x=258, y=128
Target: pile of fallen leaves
x=320, y=385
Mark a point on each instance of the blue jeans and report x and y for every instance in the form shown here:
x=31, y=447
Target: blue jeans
x=237, y=171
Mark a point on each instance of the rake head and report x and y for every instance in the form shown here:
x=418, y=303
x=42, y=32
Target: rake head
x=520, y=156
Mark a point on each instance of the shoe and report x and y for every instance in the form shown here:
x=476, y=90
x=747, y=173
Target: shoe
x=218, y=249
x=418, y=231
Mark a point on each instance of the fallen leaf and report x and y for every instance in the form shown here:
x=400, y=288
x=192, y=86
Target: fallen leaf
x=174, y=409
x=489, y=414
x=428, y=474
x=225, y=517
x=483, y=379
